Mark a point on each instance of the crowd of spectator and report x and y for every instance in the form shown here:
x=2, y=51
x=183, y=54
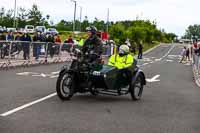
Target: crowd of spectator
x=38, y=41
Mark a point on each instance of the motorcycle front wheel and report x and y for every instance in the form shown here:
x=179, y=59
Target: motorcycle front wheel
x=65, y=86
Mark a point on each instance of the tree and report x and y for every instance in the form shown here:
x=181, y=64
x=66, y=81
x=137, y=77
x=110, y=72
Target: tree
x=193, y=30
x=22, y=17
x=85, y=23
x=2, y=14
x=35, y=16
x=117, y=33
x=64, y=25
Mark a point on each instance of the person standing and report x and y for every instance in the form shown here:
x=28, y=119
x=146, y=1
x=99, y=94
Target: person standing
x=26, y=45
x=50, y=41
x=36, y=45
x=10, y=36
x=140, y=50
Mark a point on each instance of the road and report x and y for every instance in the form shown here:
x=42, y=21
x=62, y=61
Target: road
x=171, y=105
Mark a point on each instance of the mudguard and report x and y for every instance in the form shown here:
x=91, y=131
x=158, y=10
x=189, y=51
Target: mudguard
x=137, y=74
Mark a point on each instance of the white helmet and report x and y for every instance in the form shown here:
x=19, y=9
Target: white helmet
x=123, y=49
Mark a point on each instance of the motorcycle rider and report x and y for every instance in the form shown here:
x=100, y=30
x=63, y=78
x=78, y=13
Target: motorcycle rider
x=93, y=45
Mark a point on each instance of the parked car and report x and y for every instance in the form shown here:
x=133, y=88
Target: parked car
x=20, y=30
x=40, y=29
x=52, y=31
x=29, y=29
x=10, y=29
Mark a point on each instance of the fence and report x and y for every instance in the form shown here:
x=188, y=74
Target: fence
x=22, y=53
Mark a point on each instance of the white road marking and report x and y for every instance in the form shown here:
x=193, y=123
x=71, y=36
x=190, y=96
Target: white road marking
x=187, y=64
x=25, y=73
x=55, y=72
x=34, y=74
x=158, y=59
x=153, y=79
x=169, y=60
x=56, y=76
x=27, y=105
x=145, y=64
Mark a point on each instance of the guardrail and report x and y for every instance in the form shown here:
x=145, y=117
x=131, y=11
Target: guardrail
x=23, y=53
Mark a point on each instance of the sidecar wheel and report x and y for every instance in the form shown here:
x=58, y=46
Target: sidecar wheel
x=137, y=88
x=65, y=86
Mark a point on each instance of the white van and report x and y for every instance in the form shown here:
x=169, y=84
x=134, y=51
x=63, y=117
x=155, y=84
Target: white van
x=40, y=29
x=29, y=28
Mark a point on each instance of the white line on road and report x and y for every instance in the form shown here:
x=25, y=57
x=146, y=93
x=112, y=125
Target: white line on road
x=55, y=72
x=27, y=105
x=145, y=64
x=153, y=79
x=56, y=76
x=169, y=60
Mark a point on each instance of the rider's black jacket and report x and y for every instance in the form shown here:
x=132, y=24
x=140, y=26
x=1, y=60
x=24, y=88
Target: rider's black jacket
x=94, y=44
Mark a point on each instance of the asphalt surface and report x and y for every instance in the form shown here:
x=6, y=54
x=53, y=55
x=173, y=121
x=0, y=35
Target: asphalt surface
x=171, y=105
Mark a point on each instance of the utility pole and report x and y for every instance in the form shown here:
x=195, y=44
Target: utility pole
x=74, y=16
x=14, y=24
x=107, y=21
x=17, y=21
x=80, y=17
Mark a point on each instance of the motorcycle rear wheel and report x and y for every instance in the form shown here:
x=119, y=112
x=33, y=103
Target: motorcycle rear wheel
x=137, y=88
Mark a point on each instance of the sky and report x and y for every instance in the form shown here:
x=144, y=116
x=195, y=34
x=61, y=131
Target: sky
x=171, y=15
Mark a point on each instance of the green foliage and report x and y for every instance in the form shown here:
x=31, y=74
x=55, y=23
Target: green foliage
x=193, y=30
x=117, y=33
x=137, y=31
x=35, y=16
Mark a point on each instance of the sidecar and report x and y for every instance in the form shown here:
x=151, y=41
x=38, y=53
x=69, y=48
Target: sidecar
x=112, y=81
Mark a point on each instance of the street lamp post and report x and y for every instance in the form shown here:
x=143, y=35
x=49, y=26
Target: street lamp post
x=14, y=25
x=80, y=17
x=107, y=21
x=74, y=15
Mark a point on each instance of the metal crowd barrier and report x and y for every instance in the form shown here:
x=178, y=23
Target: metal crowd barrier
x=23, y=53
x=196, y=63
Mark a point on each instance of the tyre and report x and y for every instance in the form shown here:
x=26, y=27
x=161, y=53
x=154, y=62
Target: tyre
x=65, y=86
x=92, y=89
x=137, y=88
x=3, y=54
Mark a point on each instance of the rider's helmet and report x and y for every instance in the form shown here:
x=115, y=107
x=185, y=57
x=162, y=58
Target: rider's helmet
x=123, y=49
x=92, y=29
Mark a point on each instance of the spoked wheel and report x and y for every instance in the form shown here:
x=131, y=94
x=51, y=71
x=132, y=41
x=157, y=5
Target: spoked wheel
x=65, y=86
x=137, y=89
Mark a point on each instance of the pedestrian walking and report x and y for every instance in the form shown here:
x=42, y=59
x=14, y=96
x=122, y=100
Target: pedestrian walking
x=188, y=54
x=183, y=54
x=140, y=50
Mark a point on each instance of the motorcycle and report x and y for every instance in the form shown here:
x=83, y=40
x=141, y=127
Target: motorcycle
x=84, y=75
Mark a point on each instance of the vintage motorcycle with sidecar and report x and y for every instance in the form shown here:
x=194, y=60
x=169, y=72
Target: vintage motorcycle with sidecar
x=82, y=76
